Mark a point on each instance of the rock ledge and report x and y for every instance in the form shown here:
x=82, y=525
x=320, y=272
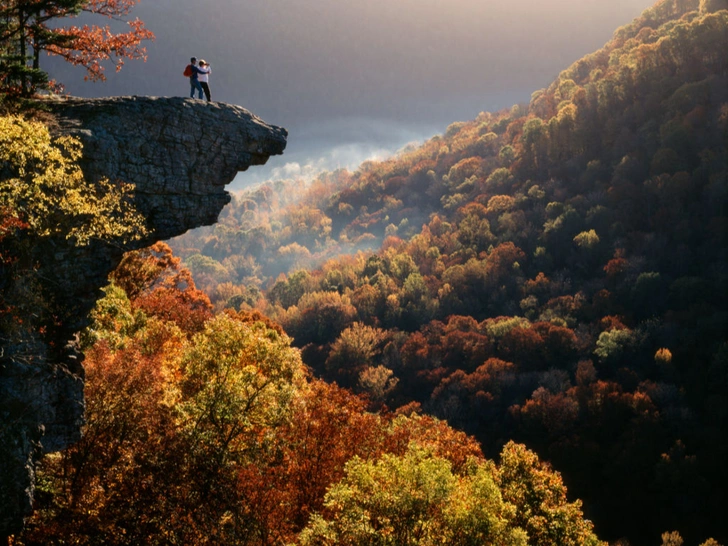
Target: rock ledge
x=179, y=153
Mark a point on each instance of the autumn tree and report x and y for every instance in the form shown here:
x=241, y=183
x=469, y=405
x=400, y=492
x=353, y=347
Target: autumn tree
x=539, y=496
x=237, y=383
x=354, y=350
x=32, y=26
x=282, y=486
x=170, y=419
x=44, y=195
x=158, y=284
x=43, y=187
x=413, y=499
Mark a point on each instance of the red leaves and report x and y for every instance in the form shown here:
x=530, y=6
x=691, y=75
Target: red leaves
x=89, y=46
x=10, y=223
x=156, y=283
x=39, y=27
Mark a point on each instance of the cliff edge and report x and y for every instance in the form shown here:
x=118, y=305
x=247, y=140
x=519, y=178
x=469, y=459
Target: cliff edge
x=179, y=153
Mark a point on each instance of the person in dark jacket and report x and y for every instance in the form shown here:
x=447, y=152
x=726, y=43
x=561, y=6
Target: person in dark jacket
x=194, y=81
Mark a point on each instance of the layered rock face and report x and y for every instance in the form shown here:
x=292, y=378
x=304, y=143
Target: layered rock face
x=179, y=153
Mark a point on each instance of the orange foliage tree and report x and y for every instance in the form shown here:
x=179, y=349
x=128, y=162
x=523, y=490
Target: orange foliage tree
x=157, y=284
x=31, y=26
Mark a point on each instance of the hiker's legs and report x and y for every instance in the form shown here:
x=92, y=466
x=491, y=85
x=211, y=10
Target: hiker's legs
x=195, y=85
x=206, y=89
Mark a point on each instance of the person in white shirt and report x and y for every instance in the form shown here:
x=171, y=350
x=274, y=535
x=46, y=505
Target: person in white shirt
x=204, y=77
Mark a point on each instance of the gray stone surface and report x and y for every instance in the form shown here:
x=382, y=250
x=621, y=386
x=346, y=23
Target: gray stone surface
x=179, y=153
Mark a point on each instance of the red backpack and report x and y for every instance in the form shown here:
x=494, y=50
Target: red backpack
x=188, y=71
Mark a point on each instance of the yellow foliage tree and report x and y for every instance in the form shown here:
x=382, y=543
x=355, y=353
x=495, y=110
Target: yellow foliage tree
x=42, y=186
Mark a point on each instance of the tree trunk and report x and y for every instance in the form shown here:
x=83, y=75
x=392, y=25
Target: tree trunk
x=23, y=51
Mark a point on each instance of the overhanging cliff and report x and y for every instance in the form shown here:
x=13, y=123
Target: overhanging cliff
x=179, y=154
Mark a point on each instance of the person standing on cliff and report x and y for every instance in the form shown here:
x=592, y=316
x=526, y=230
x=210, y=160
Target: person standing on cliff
x=204, y=78
x=194, y=73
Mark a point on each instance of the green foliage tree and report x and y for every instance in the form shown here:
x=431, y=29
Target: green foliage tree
x=612, y=344
x=113, y=320
x=587, y=239
x=287, y=292
x=319, y=317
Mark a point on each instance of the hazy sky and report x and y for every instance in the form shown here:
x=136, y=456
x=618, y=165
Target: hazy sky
x=352, y=79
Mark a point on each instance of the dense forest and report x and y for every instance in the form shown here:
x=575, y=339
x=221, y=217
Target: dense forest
x=208, y=429
x=452, y=346
x=553, y=274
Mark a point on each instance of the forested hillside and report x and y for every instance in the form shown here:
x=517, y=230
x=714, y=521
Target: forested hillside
x=553, y=274
x=208, y=429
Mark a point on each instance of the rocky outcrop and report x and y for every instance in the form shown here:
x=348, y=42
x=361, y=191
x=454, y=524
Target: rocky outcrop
x=179, y=154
